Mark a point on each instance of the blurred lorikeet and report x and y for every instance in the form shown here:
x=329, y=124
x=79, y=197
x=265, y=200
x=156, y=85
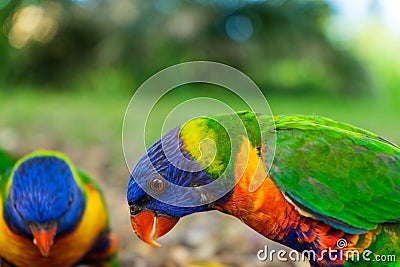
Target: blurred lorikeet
x=330, y=186
x=53, y=215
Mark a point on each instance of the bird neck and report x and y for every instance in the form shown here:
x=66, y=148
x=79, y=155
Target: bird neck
x=264, y=209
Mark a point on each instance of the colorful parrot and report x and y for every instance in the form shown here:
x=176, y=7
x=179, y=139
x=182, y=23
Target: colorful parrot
x=53, y=215
x=330, y=185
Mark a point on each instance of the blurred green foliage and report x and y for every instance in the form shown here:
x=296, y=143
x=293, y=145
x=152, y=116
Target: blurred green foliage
x=281, y=44
x=72, y=63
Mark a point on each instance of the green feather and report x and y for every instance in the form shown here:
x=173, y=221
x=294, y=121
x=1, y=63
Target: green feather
x=214, y=141
x=6, y=162
x=338, y=172
x=343, y=175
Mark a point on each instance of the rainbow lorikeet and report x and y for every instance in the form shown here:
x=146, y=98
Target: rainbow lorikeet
x=329, y=187
x=53, y=215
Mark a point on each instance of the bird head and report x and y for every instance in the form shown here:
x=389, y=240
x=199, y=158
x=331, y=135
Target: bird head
x=44, y=200
x=163, y=187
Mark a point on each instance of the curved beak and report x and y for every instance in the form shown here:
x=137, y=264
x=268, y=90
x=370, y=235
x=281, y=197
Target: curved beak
x=43, y=236
x=150, y=227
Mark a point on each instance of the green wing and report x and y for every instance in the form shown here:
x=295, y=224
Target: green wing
x=86, y=179
x=6, y=162
x=342, y=175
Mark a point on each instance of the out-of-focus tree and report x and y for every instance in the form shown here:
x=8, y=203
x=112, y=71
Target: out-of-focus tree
x=281, y=44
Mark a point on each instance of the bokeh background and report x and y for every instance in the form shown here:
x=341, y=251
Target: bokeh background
x=68, y=69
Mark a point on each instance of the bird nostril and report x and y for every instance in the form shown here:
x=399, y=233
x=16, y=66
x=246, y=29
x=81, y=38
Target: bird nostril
x=134, y=209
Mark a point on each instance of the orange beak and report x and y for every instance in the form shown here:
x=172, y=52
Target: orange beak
x=149, y=227
x=43, y=237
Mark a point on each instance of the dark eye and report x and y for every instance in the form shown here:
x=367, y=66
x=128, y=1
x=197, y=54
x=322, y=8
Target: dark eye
x=134, y=210
x=157, y=185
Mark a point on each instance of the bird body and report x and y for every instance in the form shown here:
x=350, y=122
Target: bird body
x=39, y=186
x=330, y=186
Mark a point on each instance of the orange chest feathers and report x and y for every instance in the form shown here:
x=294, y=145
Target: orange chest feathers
x=256, y=200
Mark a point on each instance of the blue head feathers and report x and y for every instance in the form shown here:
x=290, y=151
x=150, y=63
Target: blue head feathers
x=43, y=190
x=154, y=168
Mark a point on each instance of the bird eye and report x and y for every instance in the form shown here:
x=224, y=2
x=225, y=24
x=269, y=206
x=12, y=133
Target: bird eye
x=157, y=185
x=134, y=210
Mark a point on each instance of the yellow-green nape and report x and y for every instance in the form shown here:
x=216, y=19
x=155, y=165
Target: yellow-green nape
x=206, y=140
x=212, y=140
x=45, y=153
